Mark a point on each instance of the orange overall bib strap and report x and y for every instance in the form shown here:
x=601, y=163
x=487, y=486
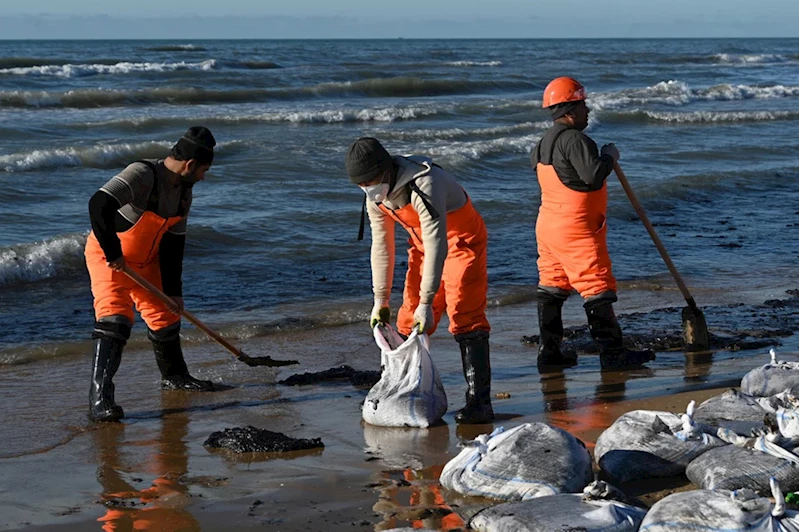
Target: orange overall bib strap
x=114, y=292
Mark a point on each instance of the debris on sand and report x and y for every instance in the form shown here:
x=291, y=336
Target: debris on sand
x=337, y=374
x=252, y=440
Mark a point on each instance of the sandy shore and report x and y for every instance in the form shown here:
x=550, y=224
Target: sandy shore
x=152, y=472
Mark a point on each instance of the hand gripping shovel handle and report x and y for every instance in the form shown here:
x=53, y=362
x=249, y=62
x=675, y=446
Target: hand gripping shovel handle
x=238, y=353
x=655, y=238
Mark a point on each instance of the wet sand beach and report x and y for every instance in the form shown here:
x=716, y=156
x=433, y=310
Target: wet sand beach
x=151, y=472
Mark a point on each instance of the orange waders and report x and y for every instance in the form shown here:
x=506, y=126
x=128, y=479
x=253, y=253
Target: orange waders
x=464, y=281
x=114, y=292
x=572, y=237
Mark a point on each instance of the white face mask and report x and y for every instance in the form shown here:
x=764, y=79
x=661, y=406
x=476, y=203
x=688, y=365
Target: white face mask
x=376, y=193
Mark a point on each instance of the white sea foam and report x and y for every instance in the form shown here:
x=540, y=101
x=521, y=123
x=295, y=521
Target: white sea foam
x=80, y=70
x=96, y=156
x=454, y=133
x=41, y=260
x=719, y=116
x=474, y=63
x=455, y=153
x=678, y=93
x=749, y=59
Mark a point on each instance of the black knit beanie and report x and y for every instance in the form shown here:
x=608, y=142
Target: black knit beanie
x=197, y=143
x=366, y=160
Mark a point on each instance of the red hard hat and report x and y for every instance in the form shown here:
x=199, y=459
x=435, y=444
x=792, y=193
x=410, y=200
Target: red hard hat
x=562, y=90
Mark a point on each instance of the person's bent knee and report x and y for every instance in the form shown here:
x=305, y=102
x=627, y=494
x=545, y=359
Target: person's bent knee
x=167, y=334
x=116, y=327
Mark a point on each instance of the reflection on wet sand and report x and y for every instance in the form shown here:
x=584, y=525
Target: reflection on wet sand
x=162, y=505
x=585, y=419
x=415, y=500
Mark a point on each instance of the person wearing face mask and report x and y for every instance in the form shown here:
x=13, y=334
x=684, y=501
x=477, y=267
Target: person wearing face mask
x=447, y=249
x=571, y=231
x=138, y=220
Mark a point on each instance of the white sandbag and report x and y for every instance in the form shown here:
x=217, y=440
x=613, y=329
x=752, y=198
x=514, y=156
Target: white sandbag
x=733, y=410
x=531, y=460
x=409, y=392
x=747, y=463
x=649, y=444
x=721, y=511
x=787, y=415
x=594, y=510
x=773, y=378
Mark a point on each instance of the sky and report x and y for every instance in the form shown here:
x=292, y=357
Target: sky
x=194, y=19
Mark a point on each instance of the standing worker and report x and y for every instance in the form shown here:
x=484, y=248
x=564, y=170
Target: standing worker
x=446, y=257
x=138, y=221
x=571, y=231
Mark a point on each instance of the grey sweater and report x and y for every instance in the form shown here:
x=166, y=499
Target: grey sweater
x=444, y=194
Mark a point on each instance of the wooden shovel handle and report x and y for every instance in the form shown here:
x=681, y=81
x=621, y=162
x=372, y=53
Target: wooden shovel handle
x=147, y=285
x=655, y=238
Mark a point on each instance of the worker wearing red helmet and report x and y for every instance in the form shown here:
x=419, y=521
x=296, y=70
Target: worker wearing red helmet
x=571, y=231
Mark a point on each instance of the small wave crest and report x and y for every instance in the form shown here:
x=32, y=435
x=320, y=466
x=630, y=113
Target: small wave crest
x=83, y=70
x=455, y=153
x=25, y=263
x=455, y=133
x=375, y=87
x=176, y=48
x=97, y=156
x=750, y=59
x=474, y=63
x=718, y=116
x=678, y=93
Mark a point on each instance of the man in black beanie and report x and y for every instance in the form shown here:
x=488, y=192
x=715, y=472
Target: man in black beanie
x=447, y=258
x=138, y=221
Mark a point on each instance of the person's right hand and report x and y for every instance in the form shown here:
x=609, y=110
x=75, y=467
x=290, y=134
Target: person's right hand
x=612, y=150
x=117, y=265
x=381, y=313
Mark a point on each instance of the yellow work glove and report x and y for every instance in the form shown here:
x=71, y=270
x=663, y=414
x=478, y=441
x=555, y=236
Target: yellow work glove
x=423, y=318
x=381, y=313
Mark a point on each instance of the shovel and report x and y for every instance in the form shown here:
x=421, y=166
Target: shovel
x=693, y=321
x=238, y=353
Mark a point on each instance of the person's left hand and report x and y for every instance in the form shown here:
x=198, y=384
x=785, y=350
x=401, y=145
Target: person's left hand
x=178, y=307
x=423, y=318
x=612, y=150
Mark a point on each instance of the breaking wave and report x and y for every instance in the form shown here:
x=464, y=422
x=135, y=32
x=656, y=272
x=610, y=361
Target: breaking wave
x=83, y=70
x=176, y=48
x=377, y=87
x=97, y=156
x=25, y=263
x=677, y=93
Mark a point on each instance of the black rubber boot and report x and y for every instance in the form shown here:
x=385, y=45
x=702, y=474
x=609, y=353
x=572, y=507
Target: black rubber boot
x=477, y=372
x=107, y=356
x=605, y=331
x=169, y=357
x=550, y=325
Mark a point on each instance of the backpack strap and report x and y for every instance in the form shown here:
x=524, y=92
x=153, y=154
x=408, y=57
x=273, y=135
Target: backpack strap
x=425, y=199
x=363, y=219
x=414, y=187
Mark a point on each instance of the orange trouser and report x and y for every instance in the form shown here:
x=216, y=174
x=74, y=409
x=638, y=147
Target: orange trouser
x=464, y=281
x=572, y=238
x=114, y=292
